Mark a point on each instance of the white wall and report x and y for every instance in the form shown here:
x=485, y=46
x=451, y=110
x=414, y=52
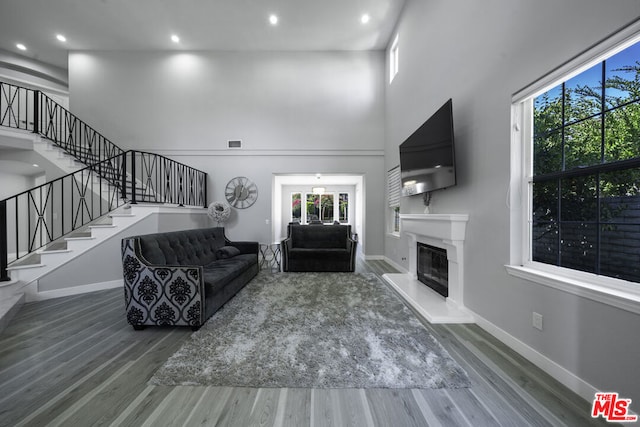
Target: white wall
x=479, y=54
x=296, y=112
x=13, y=184
x=270, y=100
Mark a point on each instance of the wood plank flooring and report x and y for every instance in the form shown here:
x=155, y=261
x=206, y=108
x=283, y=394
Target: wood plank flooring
x=75, y=361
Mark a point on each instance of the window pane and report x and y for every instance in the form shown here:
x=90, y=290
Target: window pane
x=547, y=154
x=620, y=224
x=545, y=222
x=583, y=143
x=622, y=133
x=296, y=207
x=579, y=202
x=578, y=242
x=620, y=251
x=326, y=208
x=545, y=242
x=621, y=83
x=545, y=201
x=547, y=111
x=583, y=95
x=313, y=207
x=344, y=207
x=619, y=196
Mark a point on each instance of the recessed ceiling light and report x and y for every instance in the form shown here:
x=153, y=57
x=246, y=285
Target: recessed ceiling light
x=273, y=19
x=175, y=39
x=21, y=46
x=61, y=38
x=365, y=18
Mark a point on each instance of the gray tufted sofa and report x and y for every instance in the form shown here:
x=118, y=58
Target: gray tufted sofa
x=183, y=277
x=319, y=248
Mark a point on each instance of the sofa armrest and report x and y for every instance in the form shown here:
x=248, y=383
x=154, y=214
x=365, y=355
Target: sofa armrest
x=161, y=294
x=285, y=247
x=352, y=244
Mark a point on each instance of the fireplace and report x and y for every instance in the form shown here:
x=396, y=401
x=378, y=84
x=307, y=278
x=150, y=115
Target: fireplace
x=433, y=268
x=445, y=235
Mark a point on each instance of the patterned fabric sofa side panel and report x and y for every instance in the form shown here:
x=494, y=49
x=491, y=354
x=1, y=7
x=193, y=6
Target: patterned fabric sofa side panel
x=161, y=295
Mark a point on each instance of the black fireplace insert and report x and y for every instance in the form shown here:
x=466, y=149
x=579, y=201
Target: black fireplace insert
x=433, y=268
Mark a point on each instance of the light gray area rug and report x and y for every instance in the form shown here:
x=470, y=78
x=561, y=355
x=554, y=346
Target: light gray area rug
x=313, y=330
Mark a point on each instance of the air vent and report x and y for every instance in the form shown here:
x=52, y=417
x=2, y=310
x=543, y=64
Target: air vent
x=236, y=143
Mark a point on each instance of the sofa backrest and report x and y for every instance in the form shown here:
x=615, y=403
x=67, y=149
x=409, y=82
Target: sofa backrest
x=319, y=236
x=184, y=247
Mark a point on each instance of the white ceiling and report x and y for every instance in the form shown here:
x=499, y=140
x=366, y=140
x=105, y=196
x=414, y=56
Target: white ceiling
x=200, y=24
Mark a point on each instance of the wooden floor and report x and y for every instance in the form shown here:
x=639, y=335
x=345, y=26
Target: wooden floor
x=74, y=361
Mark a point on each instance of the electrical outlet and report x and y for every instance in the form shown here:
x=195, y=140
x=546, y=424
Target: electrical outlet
x=537, y=320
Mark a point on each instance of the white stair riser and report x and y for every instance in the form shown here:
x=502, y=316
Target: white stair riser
x=49, y=258
x=80, y=244
x=101, y=232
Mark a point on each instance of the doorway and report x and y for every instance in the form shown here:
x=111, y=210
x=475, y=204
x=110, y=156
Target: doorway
x=295, y=196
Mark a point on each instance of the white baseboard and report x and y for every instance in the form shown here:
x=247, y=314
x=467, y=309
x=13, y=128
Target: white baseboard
x=564, y=376
x=32, y=293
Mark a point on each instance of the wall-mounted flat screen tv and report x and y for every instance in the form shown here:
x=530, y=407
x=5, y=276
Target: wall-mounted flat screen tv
x=427, y=157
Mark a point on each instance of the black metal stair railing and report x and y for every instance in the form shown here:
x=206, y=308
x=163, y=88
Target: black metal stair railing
x=31, y=110
x=17, y=106
x=34, y=218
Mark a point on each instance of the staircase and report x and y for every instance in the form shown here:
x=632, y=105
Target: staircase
x=51, y=225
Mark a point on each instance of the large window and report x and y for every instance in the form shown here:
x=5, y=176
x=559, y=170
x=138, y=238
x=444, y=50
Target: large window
x=394, y=59
x=575, y=165
x=586, y=170
x=320, y=207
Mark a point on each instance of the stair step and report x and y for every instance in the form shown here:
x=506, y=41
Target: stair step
x=24, y=266
x=79, y=235
x=55, y=246
x=55, y=251
x=122, y=215
x=78, y=238
x=32, y=260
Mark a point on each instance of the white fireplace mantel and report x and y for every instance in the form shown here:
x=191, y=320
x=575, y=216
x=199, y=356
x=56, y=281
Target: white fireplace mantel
x=446, y=231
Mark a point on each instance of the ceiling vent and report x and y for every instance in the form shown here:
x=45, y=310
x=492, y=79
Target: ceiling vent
x=235, y=143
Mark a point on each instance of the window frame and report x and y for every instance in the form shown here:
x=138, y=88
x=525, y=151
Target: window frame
x=336, y=205
x=615, y=292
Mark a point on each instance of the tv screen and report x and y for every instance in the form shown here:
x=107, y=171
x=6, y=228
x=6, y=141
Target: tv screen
x=427, y=157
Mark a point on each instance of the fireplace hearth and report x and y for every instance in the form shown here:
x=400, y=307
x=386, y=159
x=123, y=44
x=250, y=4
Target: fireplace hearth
x=433, y=268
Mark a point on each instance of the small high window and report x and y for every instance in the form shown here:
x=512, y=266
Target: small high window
x=393, y=59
